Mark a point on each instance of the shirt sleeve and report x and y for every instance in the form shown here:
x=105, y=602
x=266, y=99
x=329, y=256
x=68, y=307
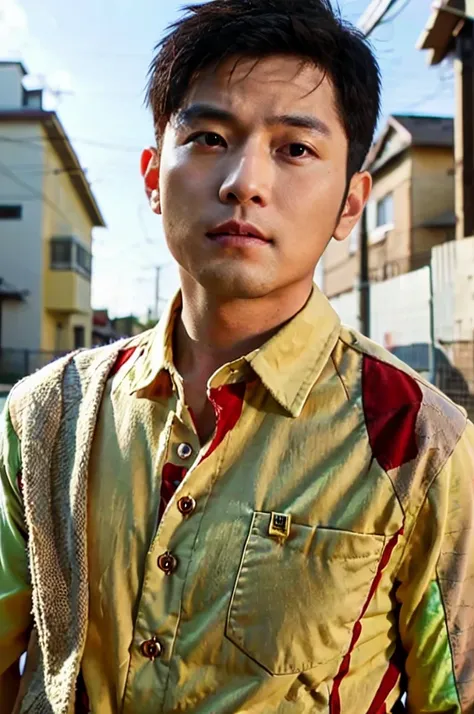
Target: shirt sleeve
x=15, y=588
x=436, y=591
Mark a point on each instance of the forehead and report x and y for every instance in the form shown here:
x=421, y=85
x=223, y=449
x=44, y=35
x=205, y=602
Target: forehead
x=252, y=88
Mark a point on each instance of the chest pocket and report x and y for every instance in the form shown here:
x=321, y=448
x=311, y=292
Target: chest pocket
x=295, y=601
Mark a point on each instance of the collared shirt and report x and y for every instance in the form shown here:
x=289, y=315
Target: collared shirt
x=315, y=553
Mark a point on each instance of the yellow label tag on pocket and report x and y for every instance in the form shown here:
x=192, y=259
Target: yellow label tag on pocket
x=280, y=525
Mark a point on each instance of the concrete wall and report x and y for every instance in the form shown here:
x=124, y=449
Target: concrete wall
x=21, y=249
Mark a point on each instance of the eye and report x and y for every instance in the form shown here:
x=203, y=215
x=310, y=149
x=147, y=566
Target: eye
x=297, y=151
x=208, y=139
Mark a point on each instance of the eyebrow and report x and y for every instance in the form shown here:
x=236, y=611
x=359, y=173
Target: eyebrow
x=188, y=116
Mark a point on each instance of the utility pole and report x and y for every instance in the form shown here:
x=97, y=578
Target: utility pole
x=364, y=278
x=464, y=149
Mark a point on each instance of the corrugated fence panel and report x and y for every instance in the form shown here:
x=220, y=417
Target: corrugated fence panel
x=453, y=290
x=400, y=309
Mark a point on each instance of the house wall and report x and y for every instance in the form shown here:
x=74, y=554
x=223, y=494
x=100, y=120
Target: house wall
x=389, y=250
x=388, y=253
x=433, y=194
x=21, y=250
x=68, y=294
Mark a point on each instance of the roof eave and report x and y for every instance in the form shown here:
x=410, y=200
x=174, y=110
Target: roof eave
x=441, y=29
x=64, y=149
x=68, y=156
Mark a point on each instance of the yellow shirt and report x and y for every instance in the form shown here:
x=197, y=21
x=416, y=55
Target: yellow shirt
x=316, y=551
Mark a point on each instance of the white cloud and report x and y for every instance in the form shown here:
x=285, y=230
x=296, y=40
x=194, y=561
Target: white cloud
x=13, y=27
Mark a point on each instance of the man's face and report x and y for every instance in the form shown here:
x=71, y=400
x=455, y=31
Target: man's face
x=262, y=145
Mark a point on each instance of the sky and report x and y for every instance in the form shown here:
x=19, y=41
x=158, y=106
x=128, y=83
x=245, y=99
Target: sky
x=92, y=57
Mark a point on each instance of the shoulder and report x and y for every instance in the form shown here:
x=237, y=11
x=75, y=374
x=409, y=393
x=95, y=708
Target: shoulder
x=44, y=387
x=407, y=418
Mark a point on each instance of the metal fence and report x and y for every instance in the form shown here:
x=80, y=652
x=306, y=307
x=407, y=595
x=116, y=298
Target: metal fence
x=15, y=364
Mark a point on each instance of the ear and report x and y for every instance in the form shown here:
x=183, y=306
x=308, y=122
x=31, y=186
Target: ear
x=357, y=196
x=150, y=170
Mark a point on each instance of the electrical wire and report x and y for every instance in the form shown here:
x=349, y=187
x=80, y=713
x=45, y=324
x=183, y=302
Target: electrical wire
x=395, y=14
x=89, y=142
x=40, y=195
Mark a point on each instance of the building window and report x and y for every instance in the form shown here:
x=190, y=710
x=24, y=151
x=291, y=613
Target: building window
x=79, y=337
x=69, y=254
x=61, y=254
x=10, y=213
x=84, y=260
x=385, y=210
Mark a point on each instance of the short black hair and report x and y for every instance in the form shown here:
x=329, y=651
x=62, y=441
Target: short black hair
x=211, y=32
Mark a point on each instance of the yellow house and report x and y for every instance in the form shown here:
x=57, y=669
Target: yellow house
x=47, y=213
x=411, y=208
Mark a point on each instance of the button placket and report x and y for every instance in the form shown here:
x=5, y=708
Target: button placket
x=186, y=505
x=184, y=450
x=167, y=563
x=151, y=649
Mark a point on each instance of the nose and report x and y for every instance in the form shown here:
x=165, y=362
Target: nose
x=248, y=178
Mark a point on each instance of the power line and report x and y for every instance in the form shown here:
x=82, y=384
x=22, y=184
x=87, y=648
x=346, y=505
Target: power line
x=89, y=142
x=395, y=14
x=40, y=195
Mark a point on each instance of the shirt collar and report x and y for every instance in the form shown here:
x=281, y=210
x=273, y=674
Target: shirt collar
x=288, y=364
x=156, y=354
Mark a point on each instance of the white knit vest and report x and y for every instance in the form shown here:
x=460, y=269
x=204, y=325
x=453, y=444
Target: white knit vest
x=54, y=413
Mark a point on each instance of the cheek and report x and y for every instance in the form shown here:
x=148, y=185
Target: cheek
x=311, y=200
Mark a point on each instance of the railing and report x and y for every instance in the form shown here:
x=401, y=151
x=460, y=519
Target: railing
x=15, y=364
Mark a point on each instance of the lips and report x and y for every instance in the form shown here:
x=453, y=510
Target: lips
x=237, y=229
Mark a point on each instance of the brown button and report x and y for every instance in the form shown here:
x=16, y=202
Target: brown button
x=184, y=451
x=167, y=563
x=151, y=648
x=186, y=505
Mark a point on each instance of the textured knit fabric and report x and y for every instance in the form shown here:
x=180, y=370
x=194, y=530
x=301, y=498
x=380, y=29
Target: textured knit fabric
x=327, y=563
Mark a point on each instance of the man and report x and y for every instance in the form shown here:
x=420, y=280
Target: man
x=250, y=508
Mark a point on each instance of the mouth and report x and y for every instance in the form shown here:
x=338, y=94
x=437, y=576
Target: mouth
x=237, y=233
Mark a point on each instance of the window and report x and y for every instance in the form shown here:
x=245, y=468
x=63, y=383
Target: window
x=10, y=213
x=61, y=254
x=84, y=259
x=385, y=210
x=69, y=254
x=79, y=337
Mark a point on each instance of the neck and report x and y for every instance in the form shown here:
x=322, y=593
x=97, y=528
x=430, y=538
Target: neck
x=214, y=330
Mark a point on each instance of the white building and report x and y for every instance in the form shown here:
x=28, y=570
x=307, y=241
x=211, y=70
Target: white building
x=47, y=213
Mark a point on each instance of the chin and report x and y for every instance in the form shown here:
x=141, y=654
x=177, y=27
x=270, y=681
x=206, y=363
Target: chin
x=237, y=285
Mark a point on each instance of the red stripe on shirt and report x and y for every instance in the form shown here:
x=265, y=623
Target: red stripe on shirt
x=387, y=684
x=335, y=699
x=228, y=402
